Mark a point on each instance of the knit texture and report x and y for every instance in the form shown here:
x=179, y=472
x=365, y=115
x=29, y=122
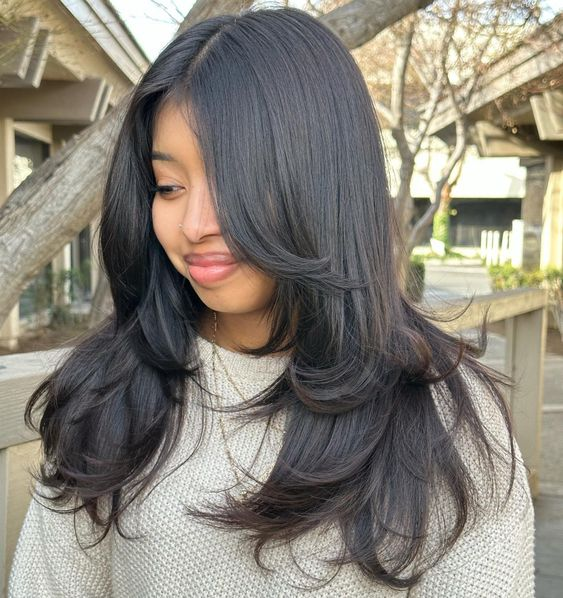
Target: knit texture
x=179, y=555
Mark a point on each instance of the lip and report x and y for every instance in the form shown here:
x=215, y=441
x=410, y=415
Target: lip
x=210, y=267
x=211, y=258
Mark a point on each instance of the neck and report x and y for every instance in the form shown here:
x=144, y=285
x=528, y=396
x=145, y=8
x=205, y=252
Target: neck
x=249, y=330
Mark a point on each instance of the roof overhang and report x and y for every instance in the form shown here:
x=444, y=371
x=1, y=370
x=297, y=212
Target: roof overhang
x=109, y=31
x=517, y=110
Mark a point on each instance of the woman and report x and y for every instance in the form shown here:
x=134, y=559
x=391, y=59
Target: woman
x=266, y=411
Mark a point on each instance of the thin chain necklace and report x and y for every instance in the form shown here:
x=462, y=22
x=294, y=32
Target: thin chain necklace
x=232, y=461
x=215, y=353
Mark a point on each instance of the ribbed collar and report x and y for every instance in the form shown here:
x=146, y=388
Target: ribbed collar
x=259, y=369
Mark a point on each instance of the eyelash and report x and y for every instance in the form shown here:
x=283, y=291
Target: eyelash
x=165, y=190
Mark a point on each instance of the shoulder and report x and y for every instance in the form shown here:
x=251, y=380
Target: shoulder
x=480, y=422
x=493, y=554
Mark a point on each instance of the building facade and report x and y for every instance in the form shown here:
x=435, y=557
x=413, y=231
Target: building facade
x=64, y=64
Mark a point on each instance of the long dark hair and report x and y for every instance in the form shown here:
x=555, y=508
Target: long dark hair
x=296, y=171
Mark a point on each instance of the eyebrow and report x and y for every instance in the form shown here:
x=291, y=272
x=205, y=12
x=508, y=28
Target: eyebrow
x=162, y=156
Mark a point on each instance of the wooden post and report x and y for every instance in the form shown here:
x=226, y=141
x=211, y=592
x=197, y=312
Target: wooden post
x=524, y=360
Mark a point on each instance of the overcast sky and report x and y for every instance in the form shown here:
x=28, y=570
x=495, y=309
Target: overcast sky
x=153, y=27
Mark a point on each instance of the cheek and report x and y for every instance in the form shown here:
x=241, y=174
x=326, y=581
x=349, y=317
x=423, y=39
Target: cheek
x=258, y=285
x=160, y=223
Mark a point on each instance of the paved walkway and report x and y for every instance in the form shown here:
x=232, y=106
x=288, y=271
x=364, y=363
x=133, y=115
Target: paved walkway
x=447, y=282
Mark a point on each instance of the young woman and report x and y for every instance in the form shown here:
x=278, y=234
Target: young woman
x=265, y=413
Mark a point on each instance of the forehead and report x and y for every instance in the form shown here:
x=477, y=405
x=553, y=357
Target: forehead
x=173, y=140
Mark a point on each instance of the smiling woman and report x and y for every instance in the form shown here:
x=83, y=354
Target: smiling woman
x=185, y=223
x=265, y=413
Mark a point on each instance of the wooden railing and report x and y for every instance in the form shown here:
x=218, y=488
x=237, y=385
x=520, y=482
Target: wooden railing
x=523, y=310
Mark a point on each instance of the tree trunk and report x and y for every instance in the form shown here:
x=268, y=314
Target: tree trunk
x=359, y=21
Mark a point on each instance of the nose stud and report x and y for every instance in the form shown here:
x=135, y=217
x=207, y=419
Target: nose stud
x=180, y=226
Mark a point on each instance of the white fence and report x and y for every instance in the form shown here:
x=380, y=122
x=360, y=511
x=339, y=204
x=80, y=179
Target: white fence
x=506, y=247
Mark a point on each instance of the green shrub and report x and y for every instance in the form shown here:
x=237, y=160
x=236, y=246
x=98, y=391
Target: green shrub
x=415, y=278
x=554, y=278
x=510, y=277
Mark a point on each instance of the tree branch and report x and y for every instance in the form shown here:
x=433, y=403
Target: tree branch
x=359, y=21
x=426, y=219
x=398, y=90
x=204, y=9
x=382, y=109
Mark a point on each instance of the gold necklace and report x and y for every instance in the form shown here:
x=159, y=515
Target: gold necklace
x=215, y=352
x=232, y=461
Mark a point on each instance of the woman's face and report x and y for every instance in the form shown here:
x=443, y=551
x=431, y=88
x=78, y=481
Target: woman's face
x=177, y=164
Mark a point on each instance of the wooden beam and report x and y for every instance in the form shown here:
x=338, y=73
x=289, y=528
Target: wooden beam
x=529, y=61
x=3, y=520
x=492, y=141
x=503, y=305
x=103, y=23
x=24, y=53
x=103, y=104
x=57, y=102
x=524, y=361
x=14, y=394
x=548, y=114
x=38, y=60
x=17, y=41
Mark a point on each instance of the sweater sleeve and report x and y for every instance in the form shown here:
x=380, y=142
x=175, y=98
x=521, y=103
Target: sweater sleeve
x=49, y=562
x=495, y=556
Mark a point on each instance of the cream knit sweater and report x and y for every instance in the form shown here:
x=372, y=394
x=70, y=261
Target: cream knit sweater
x=183, y=556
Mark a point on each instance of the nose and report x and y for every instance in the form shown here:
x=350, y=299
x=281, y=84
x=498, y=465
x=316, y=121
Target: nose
x=199, y=218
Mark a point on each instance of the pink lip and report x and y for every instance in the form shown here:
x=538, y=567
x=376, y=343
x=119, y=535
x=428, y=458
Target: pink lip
x=211, y=258
x=210, y=267
x=207, y=274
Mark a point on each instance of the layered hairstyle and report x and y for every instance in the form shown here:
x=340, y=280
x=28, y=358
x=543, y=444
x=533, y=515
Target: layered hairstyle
x=297, y=174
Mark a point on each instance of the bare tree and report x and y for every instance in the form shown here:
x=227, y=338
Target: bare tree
x=437, y=54
x=64, y=194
